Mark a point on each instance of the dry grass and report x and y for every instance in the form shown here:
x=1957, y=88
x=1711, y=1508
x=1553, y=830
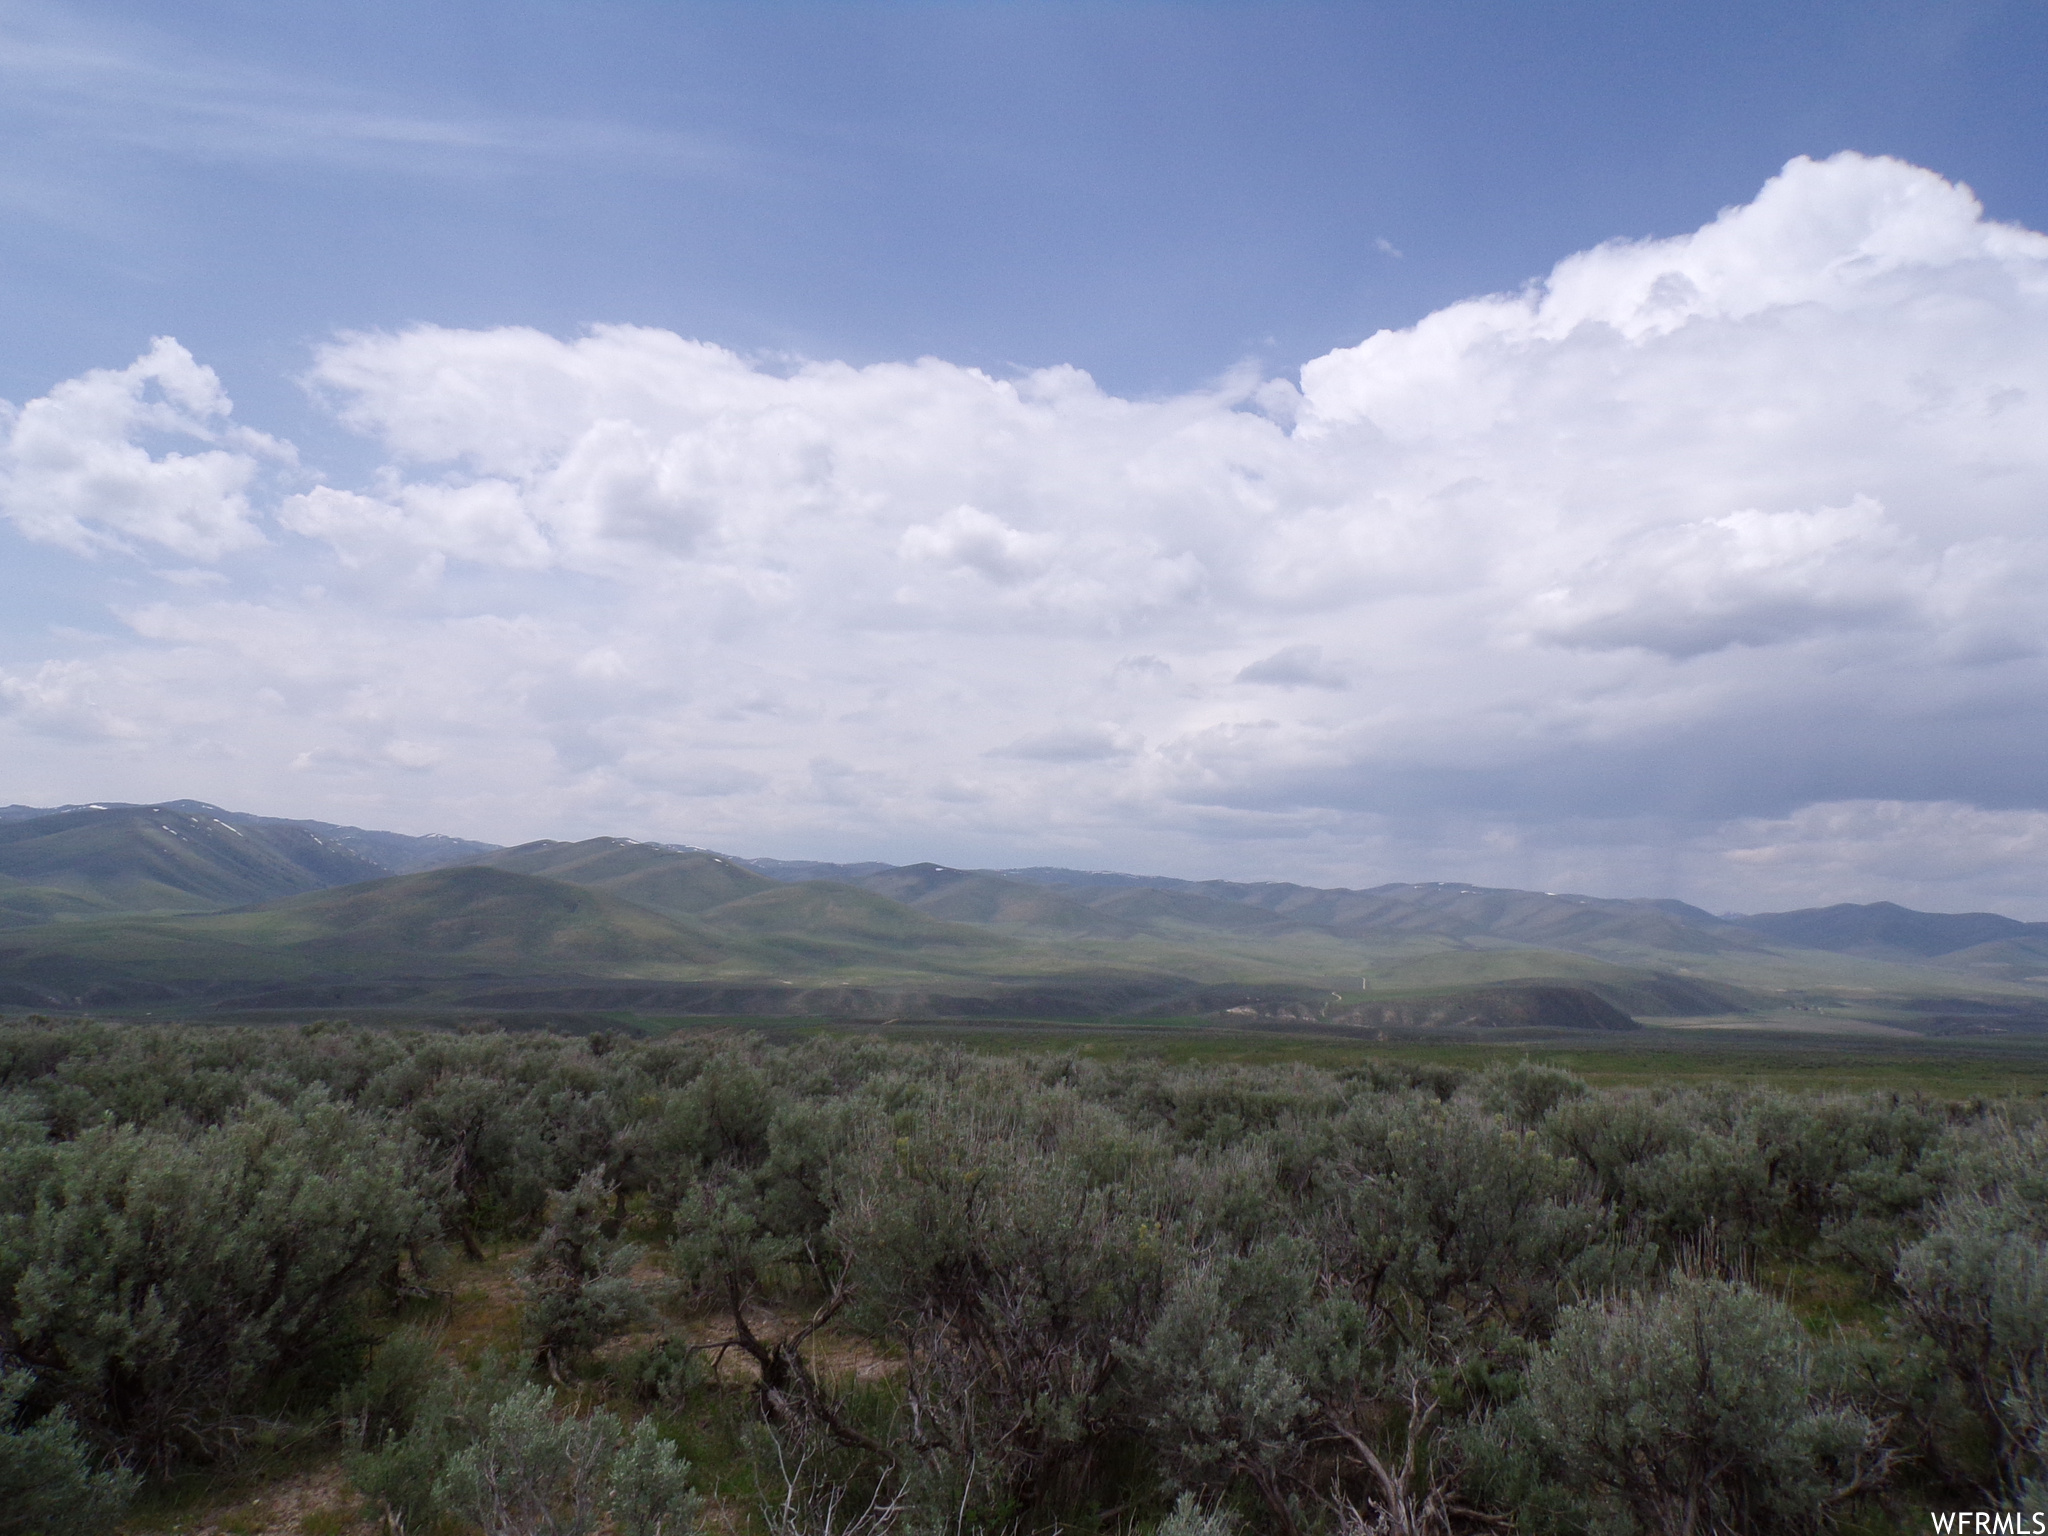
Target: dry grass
x=314, y=1501
x=1825, y=1296
x=484, y=1310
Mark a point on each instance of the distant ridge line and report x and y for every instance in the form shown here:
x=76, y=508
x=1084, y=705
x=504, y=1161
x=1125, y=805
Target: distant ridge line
x=1102, y=905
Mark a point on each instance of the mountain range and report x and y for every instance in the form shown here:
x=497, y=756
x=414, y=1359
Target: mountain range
x=184, y=907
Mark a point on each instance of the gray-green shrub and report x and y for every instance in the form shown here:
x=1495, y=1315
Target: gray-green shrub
x=165, y=1286
x=1689, y=1410
x=535, y=1469
x=51, y=1482
x=1977, y=1286
x=577, y=1282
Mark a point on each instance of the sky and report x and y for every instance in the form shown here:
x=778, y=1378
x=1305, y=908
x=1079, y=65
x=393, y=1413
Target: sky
x=1583, y=447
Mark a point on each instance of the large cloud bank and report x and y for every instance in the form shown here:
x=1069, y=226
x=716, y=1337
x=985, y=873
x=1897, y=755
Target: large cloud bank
x=1706, y=566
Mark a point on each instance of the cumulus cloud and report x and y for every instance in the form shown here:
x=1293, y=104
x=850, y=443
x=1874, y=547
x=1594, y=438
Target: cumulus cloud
x=1749, y=578
x=1598, y=581
x=75, y=468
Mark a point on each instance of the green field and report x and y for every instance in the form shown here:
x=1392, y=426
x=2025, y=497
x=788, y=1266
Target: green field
x=1959, y=1069
x=1655, y=1056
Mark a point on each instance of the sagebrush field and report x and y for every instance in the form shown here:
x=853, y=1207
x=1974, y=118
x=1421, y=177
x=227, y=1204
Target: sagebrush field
x=328, y=1279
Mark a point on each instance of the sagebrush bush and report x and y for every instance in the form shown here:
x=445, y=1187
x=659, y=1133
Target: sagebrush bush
x=1977, y=1287
x=577, y=1282
x=1392, y=1298
x=533, y=1469
x=165, y=1286
x=51, y=1482
x=1689, y=1410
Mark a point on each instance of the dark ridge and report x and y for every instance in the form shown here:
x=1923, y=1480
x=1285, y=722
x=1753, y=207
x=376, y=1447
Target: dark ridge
x=390, y=853
x=1883, y=928
x=157, y=858
x=397, y=853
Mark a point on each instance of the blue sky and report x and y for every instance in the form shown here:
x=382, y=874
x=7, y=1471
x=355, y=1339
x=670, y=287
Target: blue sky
x=1150, y=192
x=1183, y=201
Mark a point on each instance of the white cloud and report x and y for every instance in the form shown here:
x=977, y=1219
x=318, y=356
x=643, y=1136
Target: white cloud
x=1749, y=578
x=1939, y=854
x=60, y=700
x=74, y=470
x=967, y=539
x=1585, y=583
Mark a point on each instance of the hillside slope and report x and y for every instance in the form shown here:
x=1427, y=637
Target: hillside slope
x=1888, y=931
x=1181, y=909
x=976, y=896
x=823, y=926
x=461, y=922
x=394, y=853
x=217, y=902
x=156, y=859
x=478, y=916
x=1979, y=944
x=678, y=882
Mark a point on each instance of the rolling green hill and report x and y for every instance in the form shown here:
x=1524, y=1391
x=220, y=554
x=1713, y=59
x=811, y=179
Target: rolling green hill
x=821, y=925
x=156, y=859
x=395, y=853
x=1887, y=931
x=23, y=905
x=1183, y=913
x=2022, y=960
x=1979, y=944
x=790, y=929
x=189, y=906
x=678, y=882
x=475, y=921
x=1381, y=917
x=460, y=922
x=478, y=916
x=1585, y=924
x=975, y=896
x=1633, y=989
